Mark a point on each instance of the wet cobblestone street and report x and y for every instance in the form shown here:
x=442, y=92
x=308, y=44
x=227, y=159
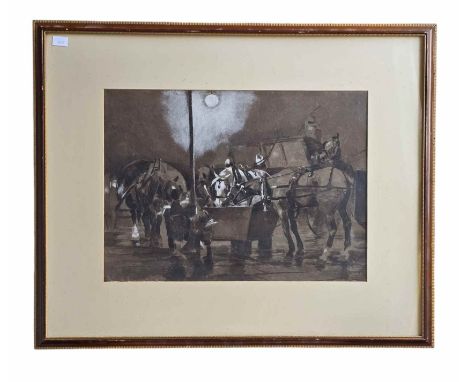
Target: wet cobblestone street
x=126, y=262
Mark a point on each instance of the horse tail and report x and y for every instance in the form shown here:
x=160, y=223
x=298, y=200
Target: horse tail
x=349, y=197
x=309, y=223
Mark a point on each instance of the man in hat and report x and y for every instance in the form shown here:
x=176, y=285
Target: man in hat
x=259, y=168
x=332, y=155
x=260, y=163
x=229, y=164
x=260, y=172
x=312, y=139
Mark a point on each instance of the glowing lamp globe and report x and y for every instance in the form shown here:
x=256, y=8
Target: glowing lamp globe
x=211, y=100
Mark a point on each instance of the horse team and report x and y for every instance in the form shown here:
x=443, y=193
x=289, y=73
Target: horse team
x=154, y=191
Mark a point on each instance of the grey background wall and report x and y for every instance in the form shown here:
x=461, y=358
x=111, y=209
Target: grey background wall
x=136, y=125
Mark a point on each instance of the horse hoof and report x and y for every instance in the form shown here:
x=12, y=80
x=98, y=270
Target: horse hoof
x=288, y=258
x=156, y=244
x=347, y=256
x=208, y=261
x=325, y=253
x=299, y=260
x=265, y=255
x=320, y=265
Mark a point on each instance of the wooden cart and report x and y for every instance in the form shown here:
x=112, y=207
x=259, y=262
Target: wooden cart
x=242, y=223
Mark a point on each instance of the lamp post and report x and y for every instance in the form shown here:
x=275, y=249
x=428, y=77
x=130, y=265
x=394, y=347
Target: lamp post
x=196, y=219
x=211, y=101
x=191, y=150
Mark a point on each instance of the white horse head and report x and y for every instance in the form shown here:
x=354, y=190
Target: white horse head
x=225, y=182
x=221, y=188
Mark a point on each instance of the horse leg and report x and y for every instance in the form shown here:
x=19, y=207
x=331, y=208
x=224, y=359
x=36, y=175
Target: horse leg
x=138, y=215
x=313, y=219
x=284, y=218
x=248, y=248
x=208, y=259
x=135, y=238
x=135, y=233
x=170, y=238
x=295, y=231
x=347, y=231
x=346, y=226
x=156, y=239
x=264, y=247
x=332, y=228
x=240, y=248
x=147, y=221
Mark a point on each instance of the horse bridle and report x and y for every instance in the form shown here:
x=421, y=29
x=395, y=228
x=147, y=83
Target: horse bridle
x=228, y=187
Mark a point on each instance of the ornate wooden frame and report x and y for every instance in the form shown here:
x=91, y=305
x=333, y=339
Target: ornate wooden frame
x=427, y=31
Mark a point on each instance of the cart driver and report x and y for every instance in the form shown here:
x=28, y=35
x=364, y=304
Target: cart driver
x=229, y=164
x=260, y=162
x=259, y=171
x=331, y=154
x=259, y=168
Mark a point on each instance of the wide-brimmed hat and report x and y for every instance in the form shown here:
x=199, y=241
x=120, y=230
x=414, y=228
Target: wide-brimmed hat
x=223, y=175
x=259, y=159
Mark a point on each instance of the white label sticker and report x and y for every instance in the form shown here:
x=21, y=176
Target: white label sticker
x=59, y=41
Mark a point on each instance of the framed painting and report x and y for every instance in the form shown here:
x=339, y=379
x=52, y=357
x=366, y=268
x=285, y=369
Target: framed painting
x=233, y=185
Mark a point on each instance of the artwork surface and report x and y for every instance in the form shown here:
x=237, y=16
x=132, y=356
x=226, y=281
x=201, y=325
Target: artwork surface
x=235, y=185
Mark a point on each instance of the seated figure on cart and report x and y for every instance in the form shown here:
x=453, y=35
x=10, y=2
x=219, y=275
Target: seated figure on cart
x=330, y=156
x=324, y=154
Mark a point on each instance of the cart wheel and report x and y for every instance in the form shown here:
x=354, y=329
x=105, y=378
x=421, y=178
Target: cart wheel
x=264, y=247
x=241, y=248
x=235, y=247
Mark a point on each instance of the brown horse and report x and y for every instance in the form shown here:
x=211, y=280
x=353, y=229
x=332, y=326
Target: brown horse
x=325, y=191
x=146, y=187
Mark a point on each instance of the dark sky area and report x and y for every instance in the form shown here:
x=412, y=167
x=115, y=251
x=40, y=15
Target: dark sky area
x=136, y=127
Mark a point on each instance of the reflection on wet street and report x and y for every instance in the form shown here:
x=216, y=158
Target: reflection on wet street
x=126, y=262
